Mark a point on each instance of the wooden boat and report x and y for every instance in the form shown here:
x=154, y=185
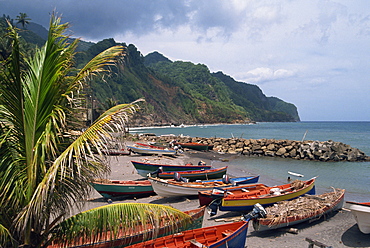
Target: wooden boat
x=152, y=151
x=195, y=174
x=169, y=188
x=230, y=235
x=244, y=201
x=112, y=188
x=207, y=196
x=361, y=212
x=302, y=209
x=128, y=236
x=195, y=146
x=144, y=168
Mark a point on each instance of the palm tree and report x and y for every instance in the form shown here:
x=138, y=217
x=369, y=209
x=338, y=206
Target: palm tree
x=44, y=170
x=23, y=19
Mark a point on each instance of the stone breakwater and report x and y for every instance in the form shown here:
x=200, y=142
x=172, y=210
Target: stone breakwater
x=308, y=150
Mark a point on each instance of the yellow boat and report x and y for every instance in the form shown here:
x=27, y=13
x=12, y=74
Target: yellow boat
x=244, y=201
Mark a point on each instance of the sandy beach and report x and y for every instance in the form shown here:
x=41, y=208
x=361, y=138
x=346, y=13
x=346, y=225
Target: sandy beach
x=339, y=230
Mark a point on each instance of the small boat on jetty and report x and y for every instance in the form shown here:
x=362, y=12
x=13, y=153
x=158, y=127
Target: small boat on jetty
x=194, y=174
x=128, y=236
x=113, y=188
x=207, y=196
x=152, y=151
x=302, y=209
x=170, y=188
x=144, y=168
x=230, y=235
x=361, y=212
x=244, y=201
x=195, y=146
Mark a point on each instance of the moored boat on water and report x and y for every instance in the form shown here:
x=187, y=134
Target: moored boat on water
x=244, y=201
x=128, y=236
x=361, y=212
x=230, y=235
x=170, y=188
x=302, y=209
x=144, y=168
x=113, y=188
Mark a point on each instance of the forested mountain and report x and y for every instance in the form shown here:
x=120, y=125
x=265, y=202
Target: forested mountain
x=175, y=92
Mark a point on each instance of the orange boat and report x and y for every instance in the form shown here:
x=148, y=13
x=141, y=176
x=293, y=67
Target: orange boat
x=231, y=235
x=207, y=196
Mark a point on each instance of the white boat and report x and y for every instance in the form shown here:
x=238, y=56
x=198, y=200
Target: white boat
x=361, y=212
x=295, y=174
x=170, y=188
x=152, y=151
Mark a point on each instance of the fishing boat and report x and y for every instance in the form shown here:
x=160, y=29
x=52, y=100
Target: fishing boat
x=127, y=236
x=144, y=168
x=230, y=235
x=302, y=209
x=152, y=151
x=361, y=212
x=170, y=188
x=194, y=174
x=195, y=146
x=113, y=188
x=207, y=196
x=244, y=201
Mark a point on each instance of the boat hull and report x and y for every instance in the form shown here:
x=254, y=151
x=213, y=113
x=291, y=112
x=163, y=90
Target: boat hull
x=114, y=188
x=144, y=168
x=231, y=235
x=168, y=188
x=361, y=212
x=196, y=175
x=246, y=203
x=207, y=196
x=264, y=224
x=152, y=151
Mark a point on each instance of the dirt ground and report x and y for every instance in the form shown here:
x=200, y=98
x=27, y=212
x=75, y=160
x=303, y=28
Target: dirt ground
x=340, y=230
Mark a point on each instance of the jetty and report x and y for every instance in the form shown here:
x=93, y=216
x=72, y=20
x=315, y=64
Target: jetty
x=326, y=151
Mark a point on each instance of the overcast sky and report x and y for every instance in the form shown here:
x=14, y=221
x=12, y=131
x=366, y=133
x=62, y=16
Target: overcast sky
x=314, y=54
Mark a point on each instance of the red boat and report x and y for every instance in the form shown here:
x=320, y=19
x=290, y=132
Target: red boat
x=195, y=146
x=207, y=196
x=230, y=235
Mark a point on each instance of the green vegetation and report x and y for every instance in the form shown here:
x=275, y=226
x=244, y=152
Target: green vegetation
x=46, y=162
x=175, y=92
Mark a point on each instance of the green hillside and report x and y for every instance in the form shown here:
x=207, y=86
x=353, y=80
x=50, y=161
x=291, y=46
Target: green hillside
x=175, y=92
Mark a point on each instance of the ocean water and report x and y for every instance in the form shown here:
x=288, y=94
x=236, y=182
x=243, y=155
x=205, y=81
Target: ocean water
x=352, y=176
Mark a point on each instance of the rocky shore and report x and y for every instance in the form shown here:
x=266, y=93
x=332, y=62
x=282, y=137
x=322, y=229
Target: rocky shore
x=327, y=151
x=339, y=230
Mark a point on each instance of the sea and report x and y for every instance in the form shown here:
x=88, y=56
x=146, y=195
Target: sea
x=352, y=176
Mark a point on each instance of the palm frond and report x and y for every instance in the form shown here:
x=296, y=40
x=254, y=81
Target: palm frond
x=121, y=220
x=66, y=182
